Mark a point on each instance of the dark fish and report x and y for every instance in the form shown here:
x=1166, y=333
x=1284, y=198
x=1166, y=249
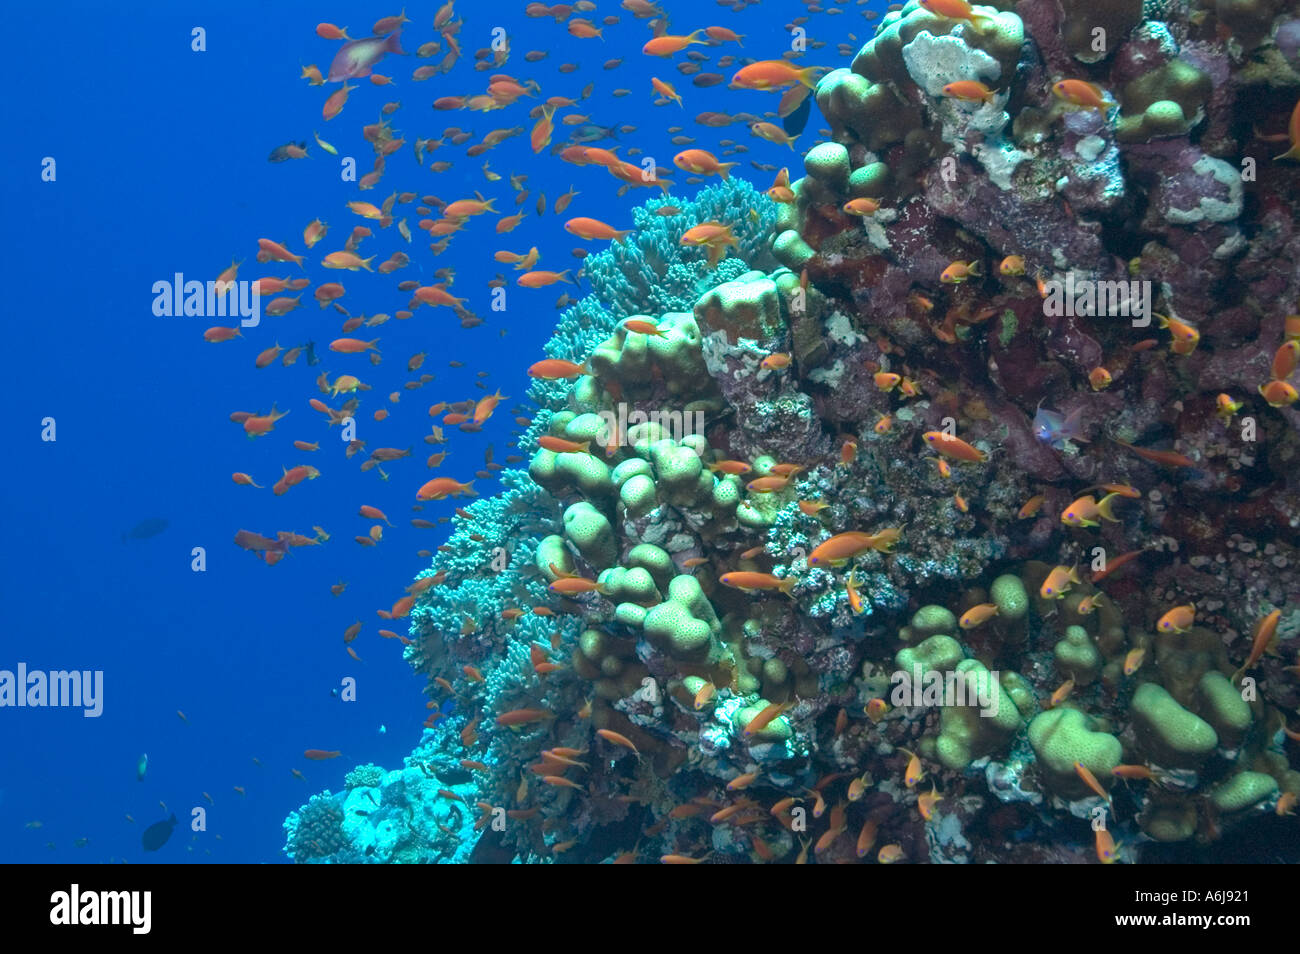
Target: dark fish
x=146, y=529
x=310, y=349
x=590, y=132
x=156, y=835
x=796, y=121
x=281, y=153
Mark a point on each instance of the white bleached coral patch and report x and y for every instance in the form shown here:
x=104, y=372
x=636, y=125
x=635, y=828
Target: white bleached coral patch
x=935, y=61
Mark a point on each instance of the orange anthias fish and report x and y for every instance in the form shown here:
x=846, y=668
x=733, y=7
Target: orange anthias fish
x=441, y=487
x=1107, y=850
x=667, y=45
x=970, y=91
x=914, y=772
x=1177, y=620
x=540, y=137
x=1058, y=582
x=756, y=582
x=1085, y=511
x=954, y=447
x=702, y=163
x=556, y=369
x=617, y=738
x=257, y=425
x=842, y=547
x=766, y=717
x=978, y=615
x=953, y=10
x=1083, y=94
x=774, y=74
x=1086, y=776
x=595, y=229
x=1265, y=630
x=1164, y=458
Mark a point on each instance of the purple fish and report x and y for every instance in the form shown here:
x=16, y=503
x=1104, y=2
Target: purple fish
x=1053, y=429
x=356, y=57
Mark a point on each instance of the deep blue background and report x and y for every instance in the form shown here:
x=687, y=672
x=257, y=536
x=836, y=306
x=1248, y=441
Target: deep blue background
x=162, y=168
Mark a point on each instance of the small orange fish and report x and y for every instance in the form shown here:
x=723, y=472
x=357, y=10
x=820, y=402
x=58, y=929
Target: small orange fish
x=978, y=615
x=1107, y=850
x=969, y=91
x=855, y=598
x=958, y=272
x=1185, y=337
x=1012, y=265
x=1085, y=774
x=1032, y=506
x=775, y=362
x=914, y=772
x=1134, y=771
x=1279, y=393
x=1265, y=630
x=861, y=206
x=766, y=716
x=1177, y=620
x=1225, y=407
x=890, y=854
x=954, y=447
x=1285, y=359
x=925, y=802
x=1083, y=94
x=1061, y=694
x=616, y=738
x=524, y=716
x=1058, y=582
x=772, y=74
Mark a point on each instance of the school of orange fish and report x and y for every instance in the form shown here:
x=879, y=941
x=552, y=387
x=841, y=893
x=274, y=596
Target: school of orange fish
x=341, y=396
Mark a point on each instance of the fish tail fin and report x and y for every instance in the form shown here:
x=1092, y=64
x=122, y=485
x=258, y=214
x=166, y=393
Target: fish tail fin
x=724, y=169
x=1293, y=153
x=394, y=43
x=975, y=269
x=1104, y=508
x=787, y=586
x=694, y=37
x=810, y=75
x=371, y=344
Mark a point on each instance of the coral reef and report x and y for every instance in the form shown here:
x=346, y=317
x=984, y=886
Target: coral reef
x=919, y=521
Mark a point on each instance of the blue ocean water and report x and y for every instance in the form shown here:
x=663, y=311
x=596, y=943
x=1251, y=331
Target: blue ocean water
x=160, y=167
